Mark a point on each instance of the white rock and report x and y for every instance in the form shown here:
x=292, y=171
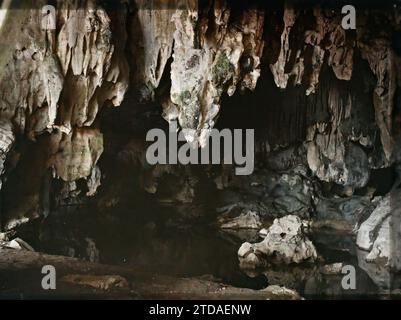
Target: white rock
x=263, y=233
x=14, y=245
x=245, y=249
x=381, y=246
x=285, y=241
x=283, y=292
x=249, y=220
x=17, y=244
x=369, y=228
x=334, y=268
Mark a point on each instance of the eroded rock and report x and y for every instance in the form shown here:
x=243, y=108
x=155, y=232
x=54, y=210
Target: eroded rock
x=249, y=220
x=78, y=154
x=285, y=242
x=211, y=57
x=282, y=292
x=103, y=282
x=369, y=229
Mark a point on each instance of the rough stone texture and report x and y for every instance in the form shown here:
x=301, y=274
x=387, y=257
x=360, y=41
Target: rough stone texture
x=81, y=59
x=285, y=241
x=152, y=46
x=307, y=38
x=211, y=57
x=268, y=194
x=334, y=268
x=59, y=80
x=335, y=149
x=283, y=292
x=381, y=248
x=78, y=153
x=85, y=50
x=249, y=220
x=7, y=140
x=94, y=181
x=54, y=82
x=381, y=58
x=103, y=282
x=343, y=213
x=379, y=239
x=309, y=50
x=369, y=229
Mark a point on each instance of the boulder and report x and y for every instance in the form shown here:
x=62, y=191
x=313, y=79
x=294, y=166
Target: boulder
x=330, y=269
x=269, y=194
x=17, y=244
x=249, y=220
x=285, y=242
x=342, y=213
x=283, y=292
x=369, y=229
x=379, y=239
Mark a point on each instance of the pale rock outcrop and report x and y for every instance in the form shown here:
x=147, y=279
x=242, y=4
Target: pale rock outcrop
x=88, y=61
x=78, y=153
x=248, y=220
x=278, y=68
x=17, y=244
x=295, y=59
x=7, y=140
x=211, y=57
x=381, y=247
x=94, y=181
x=152, y=46
x=299, y=61
x=283, y=292
x=331, y=269
x=268, y=194
x=31, y=80
x=99, y=282
x=285, y=242
x=55, y=81
x=382, y=61
x=330, y=154
x=380, y=234
x=368, y=230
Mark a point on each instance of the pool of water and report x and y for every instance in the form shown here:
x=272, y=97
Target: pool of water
x=158, y=242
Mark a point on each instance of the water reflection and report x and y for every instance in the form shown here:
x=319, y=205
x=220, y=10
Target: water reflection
x=159, y=245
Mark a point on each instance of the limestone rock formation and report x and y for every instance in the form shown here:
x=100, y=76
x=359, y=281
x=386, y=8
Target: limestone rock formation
x=249, y=220
x=55, y=81
x=211, y=57
x=379, y=234
x=187, y=56
x=285, y=242
x=152, y=47
x=369, y=229
x=78, y=98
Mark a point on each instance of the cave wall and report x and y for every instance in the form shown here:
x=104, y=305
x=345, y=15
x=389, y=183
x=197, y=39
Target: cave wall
x=304, y=79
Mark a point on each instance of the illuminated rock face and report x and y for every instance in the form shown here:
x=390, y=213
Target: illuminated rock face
x=57, y=85
x=212, y=57
x=285, y=242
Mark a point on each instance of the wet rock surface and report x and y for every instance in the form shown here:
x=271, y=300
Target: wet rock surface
x=285, y=241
